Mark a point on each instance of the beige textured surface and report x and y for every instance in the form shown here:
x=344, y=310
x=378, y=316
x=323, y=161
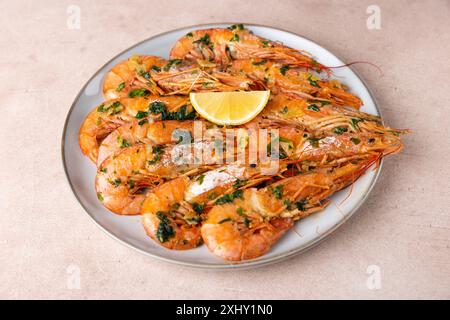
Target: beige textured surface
x=404, y=227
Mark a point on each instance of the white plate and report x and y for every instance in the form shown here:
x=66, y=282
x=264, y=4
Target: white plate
x=128, y=230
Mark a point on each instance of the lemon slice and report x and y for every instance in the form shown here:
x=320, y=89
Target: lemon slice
x=229, y=108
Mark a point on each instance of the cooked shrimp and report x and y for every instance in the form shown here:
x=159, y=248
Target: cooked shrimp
x=183, y=77
x=170, y=221
x=131, y=77
x=145, y=75
x=111, y=114
x=246, y=226
x=317, y=116
x=157, y=133
x=224, y=45
x=233, y=237
x=295, y=82
x=123, y=179
x=146, y=165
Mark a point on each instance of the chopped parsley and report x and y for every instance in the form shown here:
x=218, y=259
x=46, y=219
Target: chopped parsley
x=143, y=121
x=113, y=108
x=138, y=93
x=165, y=230
x=201, y=178
x=116, y=182
x=157, y=152
x=122, y=142
x=181, y=114
x=239, y=183
x=131, y=183
x=229, y=198
x=265, y=43
x=156, y=68
x=355, y=122
x=321, y=102
x=224, y=220
x=312, y=82
x=339, y=130
x=238, y=26
x=283, y=70
x=198, y=208
x=314, y=142
x=277, y=191
x=206, y=40
x=259, y=63
x=235, y=37
x=301, y=204
x=158, y=107
x=171, y=63
x=141, y=114
x=240, y=211
x=189, y=34
x=313, y=107
x=120, y=87
x=288, y=204
x=355, y=140
x=99, y=196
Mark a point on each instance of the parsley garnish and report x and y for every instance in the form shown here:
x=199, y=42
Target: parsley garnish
x=141, y=114
x=239, y=183
x=205, y=40
x=201, y=178
x=314, y=142
x=259, y=63
x=339, y=130
x=122, y=142
x=224, y=220
x=312, y=82
x=238, y=26
x=283, y=70
x=355, y=122
x=120, y=87
x=157, y=152
x=165, y=230
x=138, y=93
x=198, y=208
x=229, y=198
x=235, y=37
x=313, y=107
x=277, y=191
x=301, y=204
x=116, y=182
x=171, y=63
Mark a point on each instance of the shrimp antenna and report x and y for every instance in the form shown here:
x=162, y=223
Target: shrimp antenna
x=357, y=62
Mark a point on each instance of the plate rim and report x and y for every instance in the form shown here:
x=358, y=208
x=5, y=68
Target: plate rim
x=226, y=265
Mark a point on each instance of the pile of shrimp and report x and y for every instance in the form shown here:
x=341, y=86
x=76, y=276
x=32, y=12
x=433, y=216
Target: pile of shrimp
x=238, y=208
